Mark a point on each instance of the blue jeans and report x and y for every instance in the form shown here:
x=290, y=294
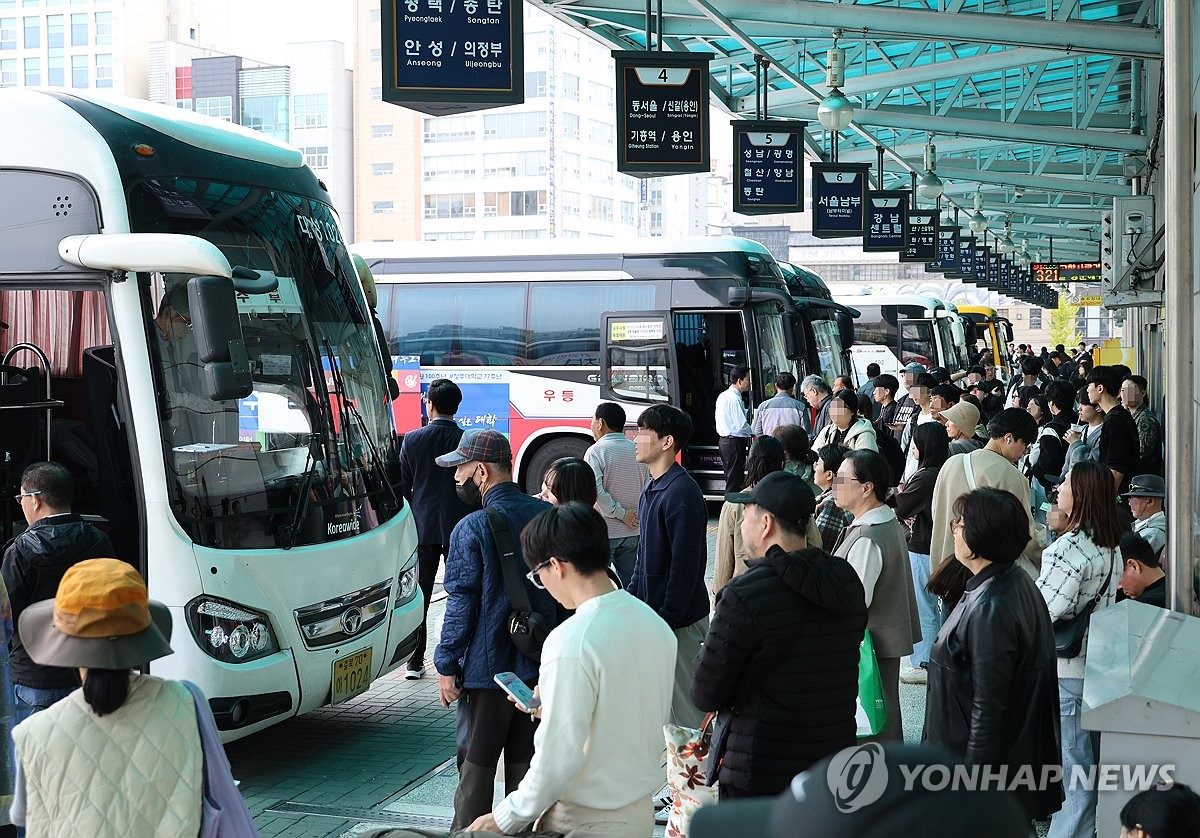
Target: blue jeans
x=929, y=609
x=32, y=700
x=624, y=557
x=1080, y=748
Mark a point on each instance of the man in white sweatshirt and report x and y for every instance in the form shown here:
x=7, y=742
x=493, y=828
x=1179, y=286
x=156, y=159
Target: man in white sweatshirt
x=607, y=677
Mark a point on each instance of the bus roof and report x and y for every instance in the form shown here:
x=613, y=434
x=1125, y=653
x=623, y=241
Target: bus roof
x=984, y=310
x=931, y=304
x=532, y=249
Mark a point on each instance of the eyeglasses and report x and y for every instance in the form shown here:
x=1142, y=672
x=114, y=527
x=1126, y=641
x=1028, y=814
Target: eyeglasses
x=17, y=498
x=842, y=478
x=533, y=577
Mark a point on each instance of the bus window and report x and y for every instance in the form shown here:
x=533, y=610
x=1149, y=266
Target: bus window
x=456, y=325
x=771, y=345
x=637, y=362
x=828, y=341
x=917, y=344
x=564, y=318
x=873, y=328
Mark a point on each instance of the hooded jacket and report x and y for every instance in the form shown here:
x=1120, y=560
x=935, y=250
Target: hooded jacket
x=34, y=564
x=781, y=656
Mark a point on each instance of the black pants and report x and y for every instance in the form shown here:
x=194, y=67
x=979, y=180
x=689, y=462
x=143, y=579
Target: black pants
x=733, y=458
x=429, y=557
x=493, y=725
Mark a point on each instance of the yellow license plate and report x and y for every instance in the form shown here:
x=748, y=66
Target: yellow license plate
x=351, y=676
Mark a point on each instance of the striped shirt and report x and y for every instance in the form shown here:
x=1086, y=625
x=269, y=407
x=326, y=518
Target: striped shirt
x=620, y=479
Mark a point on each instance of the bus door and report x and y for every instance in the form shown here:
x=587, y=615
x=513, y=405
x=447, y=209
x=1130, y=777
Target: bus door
x=637, y=364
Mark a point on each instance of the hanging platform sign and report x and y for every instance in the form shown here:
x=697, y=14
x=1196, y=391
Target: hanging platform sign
x=947, y=253
x=839, y=196
x=1007, y=274
x=982, y=256
x=920, y=243
x=768, y=176
x=445, y=57
x=993, y=272
x=662, y=112
x=966, y=258
x=887, y=221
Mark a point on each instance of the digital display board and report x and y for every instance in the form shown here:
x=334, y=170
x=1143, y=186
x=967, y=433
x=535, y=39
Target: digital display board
x=1065, y=271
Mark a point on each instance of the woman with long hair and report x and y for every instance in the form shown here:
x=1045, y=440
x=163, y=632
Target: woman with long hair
x=914, y=504
x=846, y=428
x=766, y=456
x=993, y=694
x=1080, y=572
x=569, y=480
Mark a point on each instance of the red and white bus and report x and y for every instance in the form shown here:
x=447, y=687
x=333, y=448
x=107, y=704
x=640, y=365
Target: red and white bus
x=538, y=334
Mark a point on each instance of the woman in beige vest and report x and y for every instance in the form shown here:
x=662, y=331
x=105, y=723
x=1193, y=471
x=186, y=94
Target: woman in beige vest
x=143, y=730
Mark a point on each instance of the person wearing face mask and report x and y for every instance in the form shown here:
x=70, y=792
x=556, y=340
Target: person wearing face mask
x=475, y=644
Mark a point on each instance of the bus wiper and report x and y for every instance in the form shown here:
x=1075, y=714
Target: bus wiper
x=290, y=532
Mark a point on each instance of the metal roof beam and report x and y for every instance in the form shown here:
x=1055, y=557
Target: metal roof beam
x=1020, y=167
x=1078, y=187
x=913, y=152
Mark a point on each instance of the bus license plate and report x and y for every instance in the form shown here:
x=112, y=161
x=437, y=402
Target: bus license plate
x=351, y=676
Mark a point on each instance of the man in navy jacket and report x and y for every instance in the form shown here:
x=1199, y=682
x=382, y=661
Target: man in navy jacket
x=673, y=550
x=475, y=644
x=430, y=492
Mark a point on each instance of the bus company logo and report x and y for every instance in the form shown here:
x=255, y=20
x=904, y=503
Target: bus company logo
x=857, y=777
x=345, y=522
x=352, y=620
x=412, y=380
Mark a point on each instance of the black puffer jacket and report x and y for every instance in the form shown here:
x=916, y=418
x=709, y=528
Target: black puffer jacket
x=34, y=564
x=782, y=655
x=993, y=682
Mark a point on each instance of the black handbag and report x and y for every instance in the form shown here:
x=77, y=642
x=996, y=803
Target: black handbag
x=527, y=628
x=1070, y=631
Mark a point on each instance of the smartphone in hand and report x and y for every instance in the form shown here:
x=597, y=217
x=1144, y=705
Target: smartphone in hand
x=519, y=690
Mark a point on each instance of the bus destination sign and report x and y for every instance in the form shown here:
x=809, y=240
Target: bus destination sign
x=662, y=112
x=887, y=221
x=445, y=57
x=921, y=242
x=768, y=177
x=839, y=197
x=1065, y=271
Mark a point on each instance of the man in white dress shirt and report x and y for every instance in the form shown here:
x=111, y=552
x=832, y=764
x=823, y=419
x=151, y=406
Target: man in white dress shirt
x=733, y=428
x=607, y=676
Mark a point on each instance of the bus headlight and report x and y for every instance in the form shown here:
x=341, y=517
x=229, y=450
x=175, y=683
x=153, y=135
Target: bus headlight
x=229, y=632
x=406, y=588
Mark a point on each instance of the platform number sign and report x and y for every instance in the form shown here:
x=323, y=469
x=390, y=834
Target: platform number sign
x=982, y=256
x=947, y=253
x=768, y=176
x=662, y=113
x=445, y=57
x=966, y=258
x=887, y=221
x=839, y=197
x=920, y=244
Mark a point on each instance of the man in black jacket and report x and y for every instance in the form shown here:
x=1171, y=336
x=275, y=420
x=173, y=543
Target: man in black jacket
x=780, y=662
x=430, y=491
x=34, y=564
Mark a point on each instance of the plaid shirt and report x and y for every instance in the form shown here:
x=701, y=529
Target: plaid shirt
x=831, y=520
x=1073, y=571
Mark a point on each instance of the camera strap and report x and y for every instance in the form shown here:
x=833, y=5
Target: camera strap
x=510, y=560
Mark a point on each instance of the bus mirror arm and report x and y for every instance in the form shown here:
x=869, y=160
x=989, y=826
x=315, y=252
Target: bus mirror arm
x=249, y=281
x=793, y=336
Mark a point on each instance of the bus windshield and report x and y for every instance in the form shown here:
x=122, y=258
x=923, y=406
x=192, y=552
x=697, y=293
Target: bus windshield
x=304, y=458
x=954, y=342
x=828, y=340
x=772, y=347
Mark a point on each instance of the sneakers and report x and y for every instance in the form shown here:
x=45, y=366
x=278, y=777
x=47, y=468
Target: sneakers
x=662, y=798
x=414, y=673
x=914, y=675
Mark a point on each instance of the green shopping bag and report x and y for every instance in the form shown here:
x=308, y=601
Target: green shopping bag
x=872, y=708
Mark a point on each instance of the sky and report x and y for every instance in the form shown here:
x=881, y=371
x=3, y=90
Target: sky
x=264, y=26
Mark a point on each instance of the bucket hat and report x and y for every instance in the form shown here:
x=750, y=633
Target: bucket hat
x=101, y=617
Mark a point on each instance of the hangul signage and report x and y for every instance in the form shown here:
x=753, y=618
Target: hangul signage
x=993, y=272
x=982, y=257
x=947, y=253
x=1007, y=274
x=1065, y=271
x=768, y=176
x=921, y=240
x=662, y=112
x=839, y=196
x=451, y=56
x=966, y=258
x=886, y=222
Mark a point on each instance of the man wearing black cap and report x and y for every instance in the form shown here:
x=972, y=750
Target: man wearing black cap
x=780, y=662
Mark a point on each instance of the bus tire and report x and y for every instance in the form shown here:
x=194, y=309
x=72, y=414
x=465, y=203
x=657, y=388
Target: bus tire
x=539, y=463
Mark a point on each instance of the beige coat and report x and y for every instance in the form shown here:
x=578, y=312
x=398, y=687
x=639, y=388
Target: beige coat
x=731, y=550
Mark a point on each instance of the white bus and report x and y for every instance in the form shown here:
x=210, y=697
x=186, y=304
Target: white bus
x=893, y=330
x=538, y=333
x=185, y=329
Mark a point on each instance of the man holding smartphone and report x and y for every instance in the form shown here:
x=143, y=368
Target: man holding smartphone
x=607, y=677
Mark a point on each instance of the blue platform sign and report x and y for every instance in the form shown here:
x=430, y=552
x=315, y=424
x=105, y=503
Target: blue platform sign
x=993, y=273
x=1007, y=274
x=982, y=256
x=451, y=56
x=839, y=198
x=947, y=253
x=887, y=221
x=966, y=258
x=920, y=242
x=768, y=176
x=662, y=112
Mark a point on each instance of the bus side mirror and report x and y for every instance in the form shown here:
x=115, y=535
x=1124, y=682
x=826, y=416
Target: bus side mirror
x=845, y=324
x=218, y=332
x=793, y=336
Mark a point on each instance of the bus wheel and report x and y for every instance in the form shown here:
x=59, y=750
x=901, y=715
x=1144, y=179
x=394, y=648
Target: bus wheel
x=539, y=463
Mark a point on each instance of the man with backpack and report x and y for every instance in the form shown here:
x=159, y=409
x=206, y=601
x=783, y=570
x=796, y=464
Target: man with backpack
x=477, y=642
x=885, y=397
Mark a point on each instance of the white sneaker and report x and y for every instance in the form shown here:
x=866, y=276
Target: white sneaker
x=663, y=797
x=412, y=673
x=914, y=675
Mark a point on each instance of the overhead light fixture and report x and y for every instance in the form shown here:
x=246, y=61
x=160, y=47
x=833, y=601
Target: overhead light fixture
x=1007, y=245
x=978, y=223
x=836, y=112
x=930, y=185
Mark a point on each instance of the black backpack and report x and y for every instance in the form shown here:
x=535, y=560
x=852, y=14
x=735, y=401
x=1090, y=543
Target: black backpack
x=527, y=628
x=890, y=448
